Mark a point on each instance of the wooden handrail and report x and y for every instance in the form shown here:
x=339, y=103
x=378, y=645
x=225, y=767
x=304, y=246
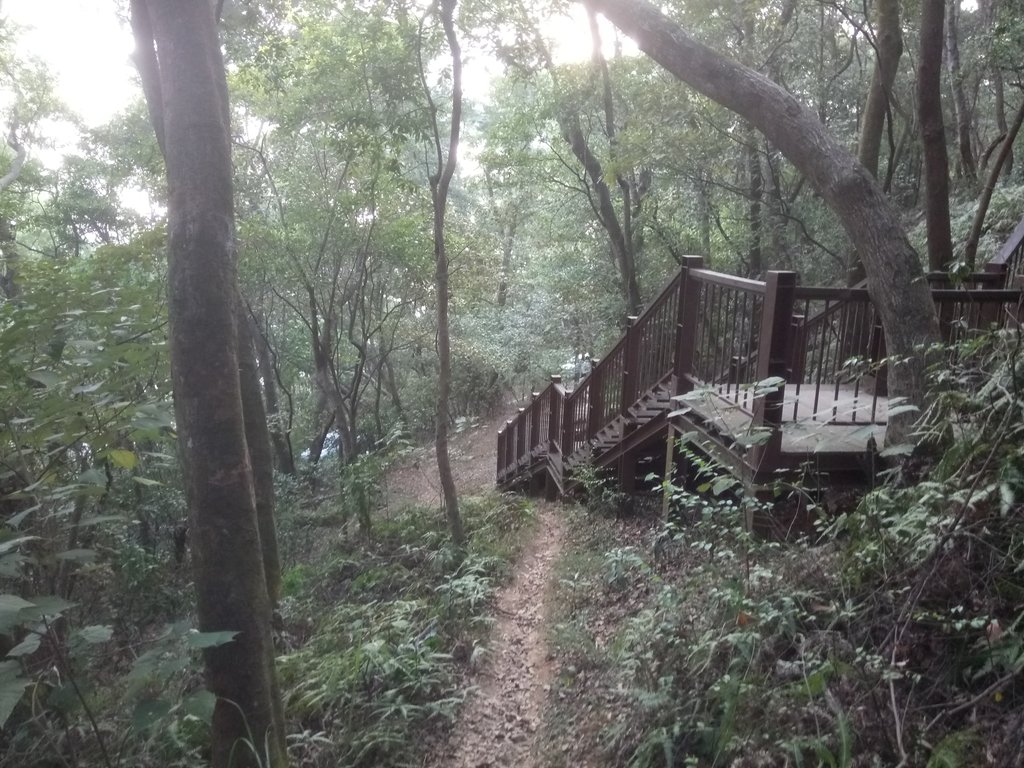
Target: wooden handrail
x=728, y=281
x=1009, y=256
x=708, y=328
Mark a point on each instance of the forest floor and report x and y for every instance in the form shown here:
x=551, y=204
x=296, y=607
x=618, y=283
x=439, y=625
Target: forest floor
x=473, y=452
x=624, y=639
x=498, y=723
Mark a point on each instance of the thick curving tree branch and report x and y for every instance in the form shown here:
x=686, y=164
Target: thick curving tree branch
x=893, y=267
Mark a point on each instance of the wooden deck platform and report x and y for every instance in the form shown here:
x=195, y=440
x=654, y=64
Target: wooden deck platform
x=841, y=422
x=768, y=377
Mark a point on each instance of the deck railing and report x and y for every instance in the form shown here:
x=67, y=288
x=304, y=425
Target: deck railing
x=727, y=337
x=1010, y=259
x=723, y=334
x=836, y=374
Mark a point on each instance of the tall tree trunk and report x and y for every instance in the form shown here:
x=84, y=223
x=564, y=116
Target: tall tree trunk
x=284, y=458
x=507, y=218
x=989, y=9
x=962, y=108
x=20, y=156
x=618, y=239
x=631, y=235
x=621, y=231
x=877, y=107
x=749, y=147
x=391, y=384
x=999, y=88
x=440, y=183
x=257, y=438
x=8, y=261
x=508, y=239
x=933, y=136
x=186, y=91
x=1005, y=151
x=8, y=249
x=894, y=273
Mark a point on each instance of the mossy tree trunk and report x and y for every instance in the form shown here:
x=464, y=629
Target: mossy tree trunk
x=178, y=54
x=933, y=135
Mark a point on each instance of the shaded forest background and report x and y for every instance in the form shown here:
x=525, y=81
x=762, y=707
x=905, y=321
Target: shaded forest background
x=581, y=184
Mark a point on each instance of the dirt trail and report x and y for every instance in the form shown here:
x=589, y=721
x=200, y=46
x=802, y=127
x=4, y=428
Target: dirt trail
x=499, y=721
x=473, y=453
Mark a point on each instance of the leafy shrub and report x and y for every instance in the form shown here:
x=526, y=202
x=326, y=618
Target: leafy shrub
x=395, y=619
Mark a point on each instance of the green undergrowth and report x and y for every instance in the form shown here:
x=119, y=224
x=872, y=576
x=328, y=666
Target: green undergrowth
x=381, y=628
x=891, y=636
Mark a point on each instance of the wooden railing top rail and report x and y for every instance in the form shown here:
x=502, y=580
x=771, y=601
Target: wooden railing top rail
x=995, y=278
x=788, y=330
x=729, y=281
x=1011, y=247
x=658, y=300
x=602, y=363
x=1005, y=295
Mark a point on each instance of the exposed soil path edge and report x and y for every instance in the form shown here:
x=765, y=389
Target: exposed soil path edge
x=499, y=721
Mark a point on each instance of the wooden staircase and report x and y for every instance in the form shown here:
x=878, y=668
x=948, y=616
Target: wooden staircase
x=767, y=377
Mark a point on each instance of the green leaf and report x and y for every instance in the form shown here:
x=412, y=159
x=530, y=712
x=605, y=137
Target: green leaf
x=46, y=606
x=146, y=481
x=96, y=633
x=149, y=712
x=11, y=607
x=12, y=686
x=122, y=459
x=758, y=437
x=26, y=647
x=7, y=546
x=15, y=521
x=200, y=705
x=199, y=640
x=46, y=378
x=84, y=389
x=902, y=409
x=10, y=565
x=93, y=476
x=723, y=484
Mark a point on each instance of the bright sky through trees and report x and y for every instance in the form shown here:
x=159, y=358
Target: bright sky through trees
x=85, y=46
x=88, y=49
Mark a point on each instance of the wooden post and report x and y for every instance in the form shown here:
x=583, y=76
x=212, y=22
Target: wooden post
x=501, y=455
x=555, y=412
x=567, y=429
x=595, y=398
x=798, y=348
x=520, y=437
x=686, y=324
x=999, y=269
x=773, y=360
x=555, y=461
x=534, y=421
x=509, y=449
x=630, y=383
x=630, y=360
